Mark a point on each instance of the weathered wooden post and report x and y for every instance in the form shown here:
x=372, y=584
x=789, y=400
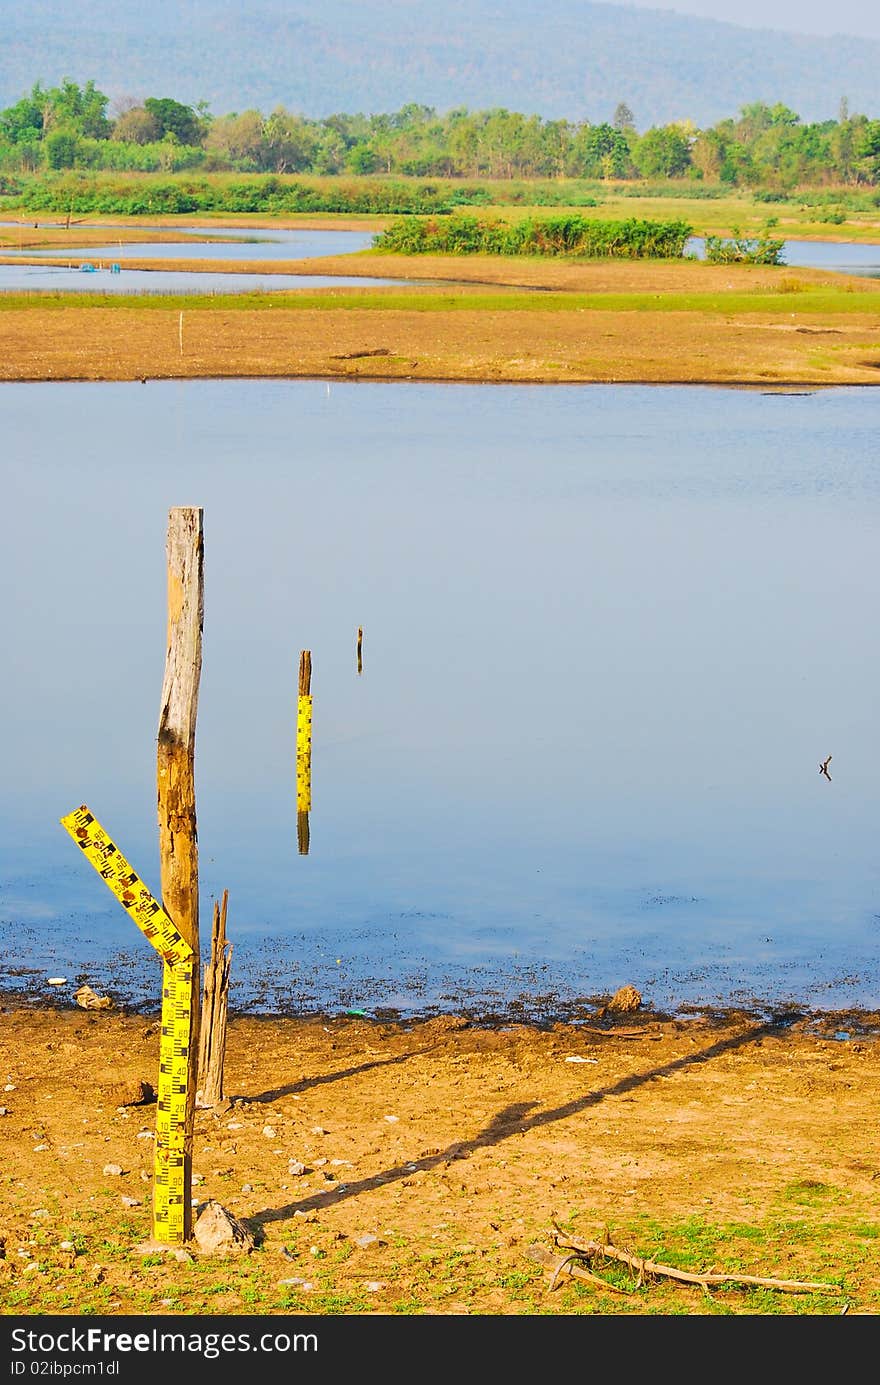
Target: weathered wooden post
x=215, y=1007
x=304, y=752
x=360, y=644
x=178, y=848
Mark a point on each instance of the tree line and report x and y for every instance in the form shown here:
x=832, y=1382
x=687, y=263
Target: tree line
x=765, y=146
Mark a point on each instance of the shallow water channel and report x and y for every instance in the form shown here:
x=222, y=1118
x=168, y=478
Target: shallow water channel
x=92, y=268
x=609, y=634
x=102, y=268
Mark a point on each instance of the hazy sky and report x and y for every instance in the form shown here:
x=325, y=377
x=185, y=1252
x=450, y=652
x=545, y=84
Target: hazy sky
x=859, y=17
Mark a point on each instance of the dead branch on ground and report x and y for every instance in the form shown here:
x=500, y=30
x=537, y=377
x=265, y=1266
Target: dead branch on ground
x=578, y=1259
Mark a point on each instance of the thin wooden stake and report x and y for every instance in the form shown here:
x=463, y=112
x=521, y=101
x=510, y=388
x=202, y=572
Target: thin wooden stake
x=304, y=752
x=360, y=643
x=215, y=1007
x=178, y=838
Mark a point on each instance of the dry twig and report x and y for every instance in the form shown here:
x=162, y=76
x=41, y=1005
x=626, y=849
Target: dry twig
x=575, y=1252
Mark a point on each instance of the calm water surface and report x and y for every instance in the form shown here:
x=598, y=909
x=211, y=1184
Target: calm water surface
x=255, y=244
x=609, y=634
x=277, y=245
x=843, y=257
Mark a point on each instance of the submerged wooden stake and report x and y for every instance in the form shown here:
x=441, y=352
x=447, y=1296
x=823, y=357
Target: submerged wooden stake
x=215, y=1007
x=304, y=752
x=178, y=848
x=360, y=642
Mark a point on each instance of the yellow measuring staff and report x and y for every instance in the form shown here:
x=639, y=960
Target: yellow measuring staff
x=304, y=752
x=169, y=1178
x=177, y=981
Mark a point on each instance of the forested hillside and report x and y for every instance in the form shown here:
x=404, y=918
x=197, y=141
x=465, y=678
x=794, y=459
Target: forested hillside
x=566, y=59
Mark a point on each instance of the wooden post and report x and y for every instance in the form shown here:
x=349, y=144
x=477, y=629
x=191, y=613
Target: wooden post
x=360, y=643
x=178, y=849
x=304, y=752
x=215, y=1006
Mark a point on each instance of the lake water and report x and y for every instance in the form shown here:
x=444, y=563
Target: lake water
x=610, y=632
x=253, y=244
x=843, y=257
x=278, y=245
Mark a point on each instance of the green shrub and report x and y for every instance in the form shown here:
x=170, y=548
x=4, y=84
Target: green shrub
x=744, y=250
x=572, y=235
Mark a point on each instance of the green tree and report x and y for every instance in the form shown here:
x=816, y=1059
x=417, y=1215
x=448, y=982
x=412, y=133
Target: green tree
x=238, y=139
x=173, y=118
x=136, y=126
x=289, y=142
x=61, y=148
x=600, y=151
x=80, y=109
x=23, y=122
x=664, y=151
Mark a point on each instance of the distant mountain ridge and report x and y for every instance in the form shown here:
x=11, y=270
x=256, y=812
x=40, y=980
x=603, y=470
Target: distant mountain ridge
x=564, y=59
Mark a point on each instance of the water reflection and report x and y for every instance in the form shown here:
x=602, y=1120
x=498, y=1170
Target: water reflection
x=613, y=631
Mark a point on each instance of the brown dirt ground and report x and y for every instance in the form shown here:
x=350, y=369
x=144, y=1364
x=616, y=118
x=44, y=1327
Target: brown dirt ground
x=703, y=1142
x=127, y=341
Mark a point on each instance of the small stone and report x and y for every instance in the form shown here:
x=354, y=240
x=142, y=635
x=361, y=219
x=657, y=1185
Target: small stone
x=268, y=1132
x=368, y=1239
x=318, y=1130
x=234, y=1125
x=88, y=999
x=391, y=1119
x=218, y=1232
x=134, y=1092
x=247, y=1187
x=319, y=1163
x=182, y=1256
x=296, y=1168
x=41, y=1213
x=112, y=1170
x=10, y=1087
x=40, y=1149
x=302, y=1284
x=4, y=1110
x=131, y=1202
x=146, y=1135
x=373, y=1286
x=56, y=981
x=66, y=1245
x=625, y=1000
